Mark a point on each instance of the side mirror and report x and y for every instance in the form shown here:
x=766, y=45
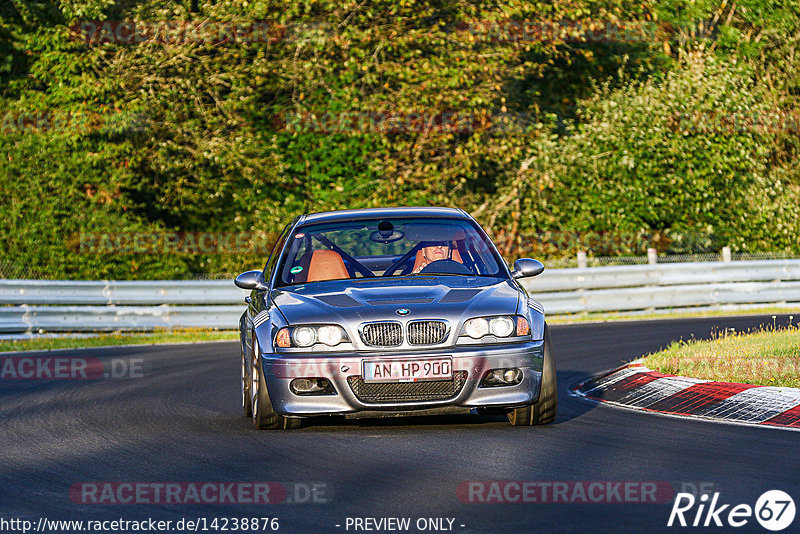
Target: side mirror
x=250, y=280
x=527, y=267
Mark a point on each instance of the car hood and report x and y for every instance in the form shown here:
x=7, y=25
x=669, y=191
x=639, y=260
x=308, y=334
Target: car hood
x=351, y=302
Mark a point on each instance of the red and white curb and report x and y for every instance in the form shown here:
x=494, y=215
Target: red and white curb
x=636, y=386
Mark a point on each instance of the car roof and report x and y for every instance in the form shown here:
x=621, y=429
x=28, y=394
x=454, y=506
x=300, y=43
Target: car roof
x=376, y=213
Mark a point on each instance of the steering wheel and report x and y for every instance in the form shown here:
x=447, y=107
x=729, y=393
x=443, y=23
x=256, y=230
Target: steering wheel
x=445, y=267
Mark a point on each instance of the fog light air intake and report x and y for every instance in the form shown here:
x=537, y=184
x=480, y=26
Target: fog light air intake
x=502, y=377
x=311, y=386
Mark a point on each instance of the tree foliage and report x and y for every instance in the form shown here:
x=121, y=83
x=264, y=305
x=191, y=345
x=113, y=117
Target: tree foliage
x=355, y=104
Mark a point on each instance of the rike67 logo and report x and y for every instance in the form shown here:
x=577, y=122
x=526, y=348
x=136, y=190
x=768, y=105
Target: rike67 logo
x=774, y=510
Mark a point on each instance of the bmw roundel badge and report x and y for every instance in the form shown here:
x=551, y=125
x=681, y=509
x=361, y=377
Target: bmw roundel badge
x=403, y=311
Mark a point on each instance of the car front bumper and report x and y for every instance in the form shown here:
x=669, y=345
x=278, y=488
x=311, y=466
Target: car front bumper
x=280, y=369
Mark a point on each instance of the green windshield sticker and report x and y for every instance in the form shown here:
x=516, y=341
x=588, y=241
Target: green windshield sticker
x=296, y=270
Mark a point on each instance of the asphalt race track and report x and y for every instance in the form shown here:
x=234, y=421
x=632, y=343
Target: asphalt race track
x=180, y=422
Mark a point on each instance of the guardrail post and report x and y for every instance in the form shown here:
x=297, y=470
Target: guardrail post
x=652, y=256
x=582, y=259
x=726, y=254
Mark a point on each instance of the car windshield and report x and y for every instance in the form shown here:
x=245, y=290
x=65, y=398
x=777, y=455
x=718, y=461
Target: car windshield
x=387, y=247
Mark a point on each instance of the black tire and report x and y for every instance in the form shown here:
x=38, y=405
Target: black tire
x=247, y=403
x=264, y=417
x=543, y=411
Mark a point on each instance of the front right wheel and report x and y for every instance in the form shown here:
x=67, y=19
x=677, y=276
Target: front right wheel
x=247, y=407
x=543, y=411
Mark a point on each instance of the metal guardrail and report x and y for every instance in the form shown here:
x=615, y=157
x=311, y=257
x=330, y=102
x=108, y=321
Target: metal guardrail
x=664, y=274
x=665, y=286
x=202, y=292
x=88, y=306
x=111, y=318
x=33, y=305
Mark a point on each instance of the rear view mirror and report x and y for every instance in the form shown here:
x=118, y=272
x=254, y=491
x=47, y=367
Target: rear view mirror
x=250, y=280
x=524, y=267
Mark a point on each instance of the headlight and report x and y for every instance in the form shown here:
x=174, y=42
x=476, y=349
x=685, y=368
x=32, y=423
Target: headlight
x=476, y=328
x=330, y=335
x=501, y=326
x=306, y=336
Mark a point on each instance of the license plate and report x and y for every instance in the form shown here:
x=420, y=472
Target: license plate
x=407, y=370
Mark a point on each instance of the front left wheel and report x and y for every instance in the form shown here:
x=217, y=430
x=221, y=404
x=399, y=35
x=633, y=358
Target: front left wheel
x=264, y=416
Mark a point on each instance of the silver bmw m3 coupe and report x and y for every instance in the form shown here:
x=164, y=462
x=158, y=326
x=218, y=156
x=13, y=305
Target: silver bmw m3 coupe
x=392, y=311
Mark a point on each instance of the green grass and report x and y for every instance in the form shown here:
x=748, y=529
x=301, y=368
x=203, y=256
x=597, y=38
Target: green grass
x=765, y=357
x=598, y=317
x=117, y=338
